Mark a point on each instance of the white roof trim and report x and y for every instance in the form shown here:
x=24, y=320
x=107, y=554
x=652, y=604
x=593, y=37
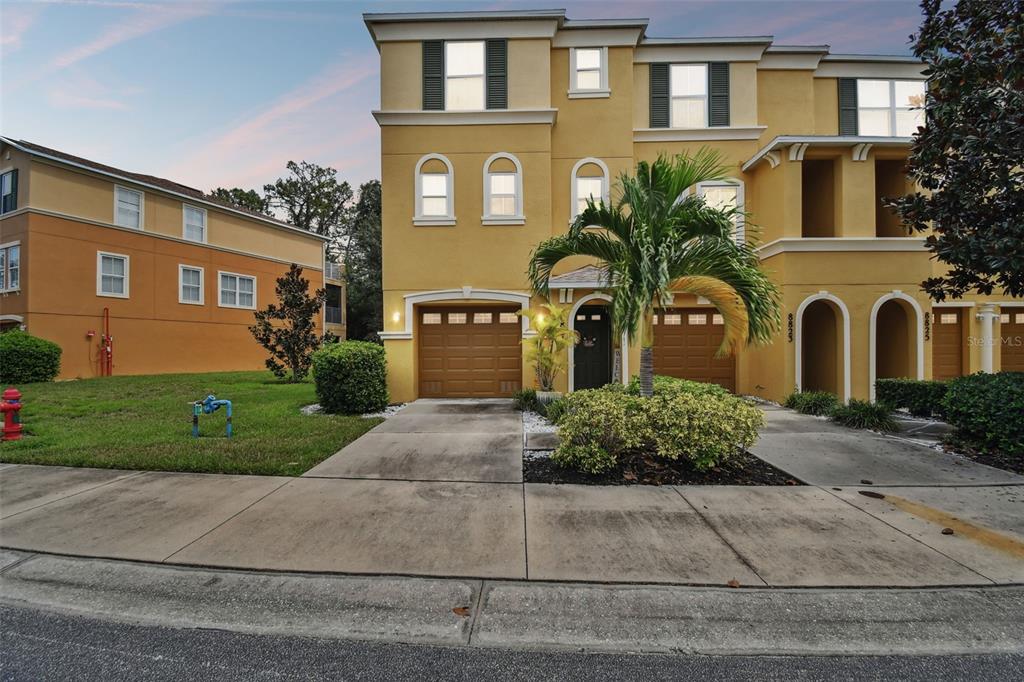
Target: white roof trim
x=415, y=117
x=697, y=134
x=697, y=51
x=840, y=244
x=824, y=141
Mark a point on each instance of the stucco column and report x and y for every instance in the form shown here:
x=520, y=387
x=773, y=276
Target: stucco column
x=987, y=315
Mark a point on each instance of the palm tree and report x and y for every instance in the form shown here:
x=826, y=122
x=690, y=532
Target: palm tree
x=658, y=239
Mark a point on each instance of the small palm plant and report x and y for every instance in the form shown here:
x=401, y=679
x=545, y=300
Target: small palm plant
x=547, y=348
x=659, y=239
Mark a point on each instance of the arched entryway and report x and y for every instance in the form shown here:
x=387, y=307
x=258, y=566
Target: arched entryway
x=897, y=339
x=823, y=345
x=591, y=360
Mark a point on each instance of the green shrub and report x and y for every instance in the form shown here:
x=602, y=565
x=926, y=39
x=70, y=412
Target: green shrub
x=986, y=410
x=861, y=414
x=665, y=385
x=525, y=399
x=817, y=403
x=602, y=425
x=920, y=398
x=25, y=359
x=555, y=410
x=351, y=377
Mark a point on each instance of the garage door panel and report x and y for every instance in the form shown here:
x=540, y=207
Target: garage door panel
x=480, y=357
x=685, y=344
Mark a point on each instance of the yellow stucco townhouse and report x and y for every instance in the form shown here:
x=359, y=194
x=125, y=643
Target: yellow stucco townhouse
x=496, y=126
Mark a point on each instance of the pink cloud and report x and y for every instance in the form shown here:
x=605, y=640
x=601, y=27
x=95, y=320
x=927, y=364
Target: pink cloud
x=18, y=19
x=84, y=92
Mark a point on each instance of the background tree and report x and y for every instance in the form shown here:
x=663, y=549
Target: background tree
x=313, y=199
x=655, y=243
x=363, y=265
x=970, y=155
x=288, y=328
x=248, y=199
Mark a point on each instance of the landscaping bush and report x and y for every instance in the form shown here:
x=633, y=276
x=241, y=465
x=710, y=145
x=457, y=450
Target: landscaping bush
x=664, y=385
x=920, y=398
x=25, y=359
x=525, y=399
x=986, y=410
x=861, y=414
x=351, y=377
x=817, y=403
x=600, y=426
x=555, y=410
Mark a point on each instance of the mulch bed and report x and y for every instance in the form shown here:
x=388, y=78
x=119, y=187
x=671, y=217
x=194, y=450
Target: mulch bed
x=744, y=469
x=999, y=460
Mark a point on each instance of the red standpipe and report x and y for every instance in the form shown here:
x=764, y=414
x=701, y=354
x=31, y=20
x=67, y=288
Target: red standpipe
x=106, y=347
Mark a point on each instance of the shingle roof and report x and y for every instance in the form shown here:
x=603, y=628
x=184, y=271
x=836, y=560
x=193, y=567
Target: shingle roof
x=150, y=180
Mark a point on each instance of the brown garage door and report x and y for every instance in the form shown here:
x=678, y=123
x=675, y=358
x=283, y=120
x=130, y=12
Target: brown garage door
x=685, y=341
x=1011, y=330
x=947, y=343
x=469, y=352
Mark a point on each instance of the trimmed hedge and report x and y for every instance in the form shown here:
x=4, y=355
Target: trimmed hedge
x=816, y=403
x=599, y=426
x=986, y=410
x=664, y=385
x=351, y=377
x=25, y=359
x=920, y=398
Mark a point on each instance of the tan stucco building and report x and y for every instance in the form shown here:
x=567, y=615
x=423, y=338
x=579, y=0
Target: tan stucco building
x=171, y=276
x=495, y=126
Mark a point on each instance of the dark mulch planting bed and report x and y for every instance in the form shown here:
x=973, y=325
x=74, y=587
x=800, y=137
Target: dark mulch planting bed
x=744, y=469
x=999, y=460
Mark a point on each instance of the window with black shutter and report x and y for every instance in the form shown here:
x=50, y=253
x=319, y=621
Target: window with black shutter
x=497, y=74
x=848, y=106
x=718, y=92
x=433, y=75
x=659, y=96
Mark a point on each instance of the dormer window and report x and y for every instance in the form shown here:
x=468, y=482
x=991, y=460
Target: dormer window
x=464, y=76
x=588, y=72
x=689, y=90
x=688, y=96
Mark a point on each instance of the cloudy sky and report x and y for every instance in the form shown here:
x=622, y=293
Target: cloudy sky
x=225, y=93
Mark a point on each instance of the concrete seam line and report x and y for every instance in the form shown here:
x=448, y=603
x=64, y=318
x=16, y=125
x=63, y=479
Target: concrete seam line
x=526, y=539
x=917, y=540
x=19, y=562
x=475, y=613
x=132, y=474
x=721, y=537
x=245, y=508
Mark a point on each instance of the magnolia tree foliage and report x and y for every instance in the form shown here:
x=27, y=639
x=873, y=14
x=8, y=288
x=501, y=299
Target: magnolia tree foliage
x=247, y=199
x=969, y=159
x=287, y=329
x=312, y=198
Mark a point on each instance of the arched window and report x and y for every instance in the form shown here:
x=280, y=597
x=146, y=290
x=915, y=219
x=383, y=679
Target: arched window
x=435, y=191
x=589, y=180
x=503, y=190
x=725, y=194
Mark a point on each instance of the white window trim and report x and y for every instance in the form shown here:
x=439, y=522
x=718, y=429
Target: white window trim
x=419, y=218
x=202, y=284
x=142, y=208
x=488, y=218
x=206, y=223
x=573, y=198
x=482, y=75
x=7, y=267
x=220, y=301
x=707, y=97
x=892, y=103
x=583, y=93
x=99, y=274
x=741, y=226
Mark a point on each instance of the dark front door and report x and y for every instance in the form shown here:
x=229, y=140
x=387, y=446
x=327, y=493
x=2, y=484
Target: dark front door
x=593, y=354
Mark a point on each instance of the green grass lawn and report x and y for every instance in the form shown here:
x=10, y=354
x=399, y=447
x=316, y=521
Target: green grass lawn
x=145, y=422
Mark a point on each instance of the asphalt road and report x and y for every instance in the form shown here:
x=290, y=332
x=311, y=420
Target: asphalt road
x=45, y=645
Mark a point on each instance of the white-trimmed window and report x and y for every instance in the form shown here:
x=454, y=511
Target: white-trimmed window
x=129, y=205
x=503, y=190
x=589, y=181
x=588, y=72
x=726, y=195
x=10, y=266
x=190, y=285
x=435, y=191
x=9, y=191
x=688, y=89
x=193, y=223
x=236, y=291
x=464, y=82
x=112, y=274
x=889, y=108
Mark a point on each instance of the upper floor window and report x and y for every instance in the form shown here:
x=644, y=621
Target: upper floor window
x=689, y=93
x=503, y=190
x=589, y=181
x=237, y=291
x=190, y=284
x=435, y=191
x=588, y=71
x=10, y=266
x=464, y=87
x=887, y=108
x=128, y=206
x=726, y=195
x=111, y=274
x=9, y=191
x=194, y=220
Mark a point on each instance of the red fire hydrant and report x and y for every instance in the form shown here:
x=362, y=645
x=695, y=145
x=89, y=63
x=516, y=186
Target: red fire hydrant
x=11, y=406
